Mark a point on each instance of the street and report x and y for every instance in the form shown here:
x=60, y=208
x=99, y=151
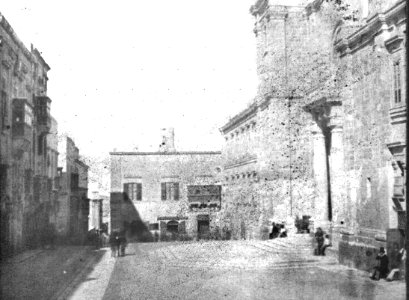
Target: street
x=274, y=269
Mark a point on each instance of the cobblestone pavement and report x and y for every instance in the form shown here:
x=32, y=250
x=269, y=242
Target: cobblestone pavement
x=275, y=269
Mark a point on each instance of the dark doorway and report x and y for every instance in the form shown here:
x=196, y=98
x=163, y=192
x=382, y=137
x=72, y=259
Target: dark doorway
x=203, y=229
x=172, y=227
x=243, y=230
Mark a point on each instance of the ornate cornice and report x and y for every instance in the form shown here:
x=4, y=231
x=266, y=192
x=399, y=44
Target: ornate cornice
x=9, y=30
x=240, y=118
x=374, y=26
x=166, y=153
x=245, y=161
x=259, y=8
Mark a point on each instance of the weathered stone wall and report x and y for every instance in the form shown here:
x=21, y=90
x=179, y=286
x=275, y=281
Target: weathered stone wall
x=151, y=169
x=324, y=124
x=25, y=193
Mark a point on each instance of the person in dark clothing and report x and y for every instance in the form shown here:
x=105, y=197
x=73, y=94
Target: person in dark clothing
x=319, y=237
x=114, y=243
x=382, y=269
x=283, y=231
x=325, y=244
x=122, y=244
x=275, y=231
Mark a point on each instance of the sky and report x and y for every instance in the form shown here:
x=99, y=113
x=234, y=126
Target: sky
x=121, y=71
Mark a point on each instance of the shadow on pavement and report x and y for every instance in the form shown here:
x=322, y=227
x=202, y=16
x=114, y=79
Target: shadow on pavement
x=47, y=274
x=125, y=217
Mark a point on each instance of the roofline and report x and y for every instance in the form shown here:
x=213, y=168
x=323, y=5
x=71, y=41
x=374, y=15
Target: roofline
x=13, y=35
x=168, y=153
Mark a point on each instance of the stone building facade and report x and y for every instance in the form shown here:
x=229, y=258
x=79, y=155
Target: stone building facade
x=95, y=212
x=168, y=193
x=73, y=202
x=26, y=178
x=325, y=135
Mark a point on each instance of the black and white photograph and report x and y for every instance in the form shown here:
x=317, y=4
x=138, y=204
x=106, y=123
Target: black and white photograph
x=204, y=150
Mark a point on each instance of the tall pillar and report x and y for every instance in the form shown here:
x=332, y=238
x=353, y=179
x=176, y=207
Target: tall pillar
x=320, y=178
x=337, y=175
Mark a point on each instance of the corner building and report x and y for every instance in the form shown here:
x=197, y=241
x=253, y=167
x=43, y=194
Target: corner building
x=168, y=194
x=325, y=135
x=27, y=192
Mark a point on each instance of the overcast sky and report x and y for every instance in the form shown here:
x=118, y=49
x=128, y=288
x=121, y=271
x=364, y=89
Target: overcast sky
x=122, y=70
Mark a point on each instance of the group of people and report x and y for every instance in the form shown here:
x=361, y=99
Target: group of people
x=278, y=230
x=381, y=270
x=323, y=242
x=118, y=244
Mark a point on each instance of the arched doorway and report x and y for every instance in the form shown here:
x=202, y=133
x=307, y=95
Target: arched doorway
x=172, y=227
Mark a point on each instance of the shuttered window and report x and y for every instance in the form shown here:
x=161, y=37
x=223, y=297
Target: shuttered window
x=163, y=190
x=397, y=82
x=169, y=191
x=133, y=191
x=4, y=110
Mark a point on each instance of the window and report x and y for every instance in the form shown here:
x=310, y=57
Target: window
x=40, y=144
x=74, y=181
x=133, y=191
x=397, y=82
x=169, y=191
x=4, y=111
x=154, y=226
x=28, y=115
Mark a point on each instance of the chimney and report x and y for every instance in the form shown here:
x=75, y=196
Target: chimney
x=168, y=140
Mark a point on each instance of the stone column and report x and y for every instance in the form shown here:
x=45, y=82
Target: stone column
x=337, y=175
x=320, y=178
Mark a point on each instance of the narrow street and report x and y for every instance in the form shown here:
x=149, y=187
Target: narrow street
x=274, y=269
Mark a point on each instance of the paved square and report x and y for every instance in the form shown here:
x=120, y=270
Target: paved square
x=276, y=269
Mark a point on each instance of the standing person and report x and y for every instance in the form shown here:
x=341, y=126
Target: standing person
x=275, y=231
x=326, y=244
x=382, y=269
x=283, y=231
x=117, y=244
x=319, y=237
x=113, y=243
x=123, y=244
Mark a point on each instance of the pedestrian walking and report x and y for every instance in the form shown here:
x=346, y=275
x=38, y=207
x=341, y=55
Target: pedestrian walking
x=113, y=242
x=117, y=244
x=382, y=268
x=319, y=237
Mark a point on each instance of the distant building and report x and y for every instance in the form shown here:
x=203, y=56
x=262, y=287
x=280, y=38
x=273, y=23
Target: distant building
x=27, y=156
x=175, y=194
x=73, y=202
x=95, y=212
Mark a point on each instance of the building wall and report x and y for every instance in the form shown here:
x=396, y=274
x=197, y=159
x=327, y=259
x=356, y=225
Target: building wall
x=152, y=169
x=373, y=129
x=73, y=202
x=25, y=122
x=327, y=141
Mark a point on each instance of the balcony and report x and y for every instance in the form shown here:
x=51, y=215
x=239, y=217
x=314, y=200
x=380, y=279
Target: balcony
x=204, y=197
x=22, y=125
x=42, y=111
